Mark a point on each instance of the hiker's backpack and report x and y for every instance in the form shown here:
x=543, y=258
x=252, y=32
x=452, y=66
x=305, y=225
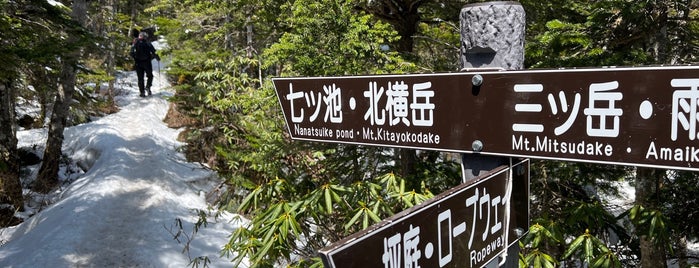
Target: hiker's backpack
x=141, y=50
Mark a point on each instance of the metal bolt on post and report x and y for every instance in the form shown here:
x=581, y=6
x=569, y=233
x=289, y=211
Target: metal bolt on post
x=477, y=146
x=477, y=80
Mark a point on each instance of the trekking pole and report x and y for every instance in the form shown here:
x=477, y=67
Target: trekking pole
x=159, y=82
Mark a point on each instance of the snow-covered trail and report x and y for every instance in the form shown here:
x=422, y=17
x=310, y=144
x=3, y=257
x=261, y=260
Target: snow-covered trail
x=122, y=211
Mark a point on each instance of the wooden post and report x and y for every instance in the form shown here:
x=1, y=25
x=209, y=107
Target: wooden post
x=492, y=36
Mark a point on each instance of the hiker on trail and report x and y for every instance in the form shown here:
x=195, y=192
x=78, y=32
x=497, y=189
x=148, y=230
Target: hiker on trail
x=143, y=52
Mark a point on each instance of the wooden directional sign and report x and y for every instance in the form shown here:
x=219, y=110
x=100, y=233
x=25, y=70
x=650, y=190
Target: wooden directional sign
x=465, y=226
x=630, y=116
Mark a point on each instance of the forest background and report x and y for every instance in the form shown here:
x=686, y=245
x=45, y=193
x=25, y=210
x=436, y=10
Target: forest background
x=300, y=196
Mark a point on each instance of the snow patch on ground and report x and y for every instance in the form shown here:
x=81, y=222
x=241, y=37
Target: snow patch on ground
x=127, y=193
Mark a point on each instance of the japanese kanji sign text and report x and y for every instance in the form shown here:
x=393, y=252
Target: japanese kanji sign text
x=631, y=116
x=467, y=226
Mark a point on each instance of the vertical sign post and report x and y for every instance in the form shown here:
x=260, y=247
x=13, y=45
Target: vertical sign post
x=492, y=36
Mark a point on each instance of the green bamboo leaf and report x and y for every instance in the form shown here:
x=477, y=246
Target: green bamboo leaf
x=295, y=226
x=373, y=189
x=574, y=246
x=328, y=200
x=286, y=207
x=317, y=263
x=653, y=224
x=521, y=258
x=549, y=262
x=278, y=207
x=274, y=212
x=314, y=196
x=537, y=263
x=335, y=196
x=263, y=251
x=375, y=207
x=337, y=188
x=365, y=219
x=601, y=261
x=589, y=248
x=284, y=228
x=530, y=237
x=373, y=216
x=528, y=259
x=549, y=235
x=616, y=263
x=406, y=200
x=633, y=212
x=538, y=260
x=419, y=198
x=271, y=231
x=295, y=207
x=353, y=220
x=246, y=203
x=661, y=221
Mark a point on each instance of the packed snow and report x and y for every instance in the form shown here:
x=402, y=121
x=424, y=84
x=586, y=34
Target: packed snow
x=126, y=192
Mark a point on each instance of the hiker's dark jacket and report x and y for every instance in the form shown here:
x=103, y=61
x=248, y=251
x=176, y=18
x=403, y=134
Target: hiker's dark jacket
x=142, y=50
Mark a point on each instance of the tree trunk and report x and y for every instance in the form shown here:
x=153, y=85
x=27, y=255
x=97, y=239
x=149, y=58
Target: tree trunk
x=685, y=32
x=683, y=260
x=134, y=7
x=111, y=55
x=42, y=82
x=647, y=187
x=48, y=173
x=407, y=163
x=403, y=16
x=406, y=27
x=10, y=185
x=648, y=179
x=661, y=40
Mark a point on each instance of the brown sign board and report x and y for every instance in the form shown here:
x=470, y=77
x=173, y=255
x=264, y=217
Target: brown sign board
x=644, y=116
x=465, y=226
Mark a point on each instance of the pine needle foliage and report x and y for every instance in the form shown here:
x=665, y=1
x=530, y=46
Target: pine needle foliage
x=301, y=196
x=297, y=196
